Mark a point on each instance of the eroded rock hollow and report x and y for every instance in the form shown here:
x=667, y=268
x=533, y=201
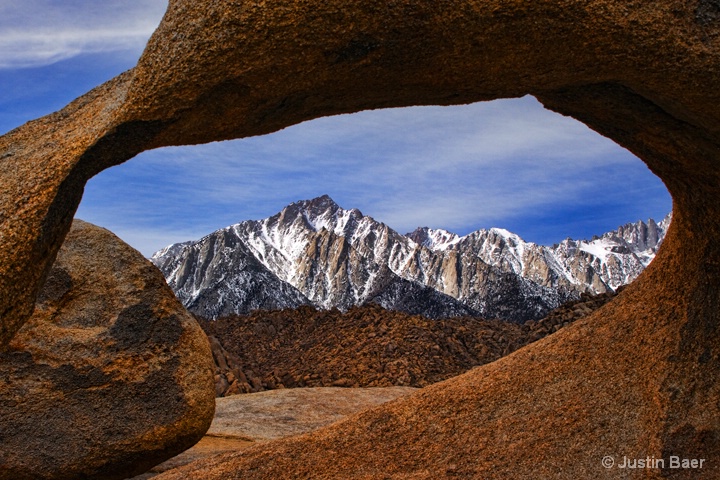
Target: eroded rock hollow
x=637, y=378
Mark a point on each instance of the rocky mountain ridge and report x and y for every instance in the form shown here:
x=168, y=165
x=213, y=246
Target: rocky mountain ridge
x=316, y=253
x=366, y=346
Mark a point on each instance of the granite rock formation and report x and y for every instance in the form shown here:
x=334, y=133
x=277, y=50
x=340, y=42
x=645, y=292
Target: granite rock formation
x=640, y=376
x=212, y=71
x=110, y=375
x=551, y=410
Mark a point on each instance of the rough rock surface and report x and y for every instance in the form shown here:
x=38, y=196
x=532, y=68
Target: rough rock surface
x=110, y=375
x=366, y=346
x=637, y=377
x=283, y=413
x=208, y=446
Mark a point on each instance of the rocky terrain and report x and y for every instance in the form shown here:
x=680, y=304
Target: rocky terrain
x=316, y=253
x=638, y=377
x=366, y=346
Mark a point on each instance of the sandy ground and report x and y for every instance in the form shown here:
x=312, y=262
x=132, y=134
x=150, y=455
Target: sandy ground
x=242, y=420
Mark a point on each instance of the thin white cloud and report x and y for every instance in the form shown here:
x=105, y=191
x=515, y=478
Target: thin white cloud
x=23, y=50
x=460, y=168
x=41, y=32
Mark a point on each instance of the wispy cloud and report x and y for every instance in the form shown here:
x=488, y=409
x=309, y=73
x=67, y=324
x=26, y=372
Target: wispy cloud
x=40, y=32
x=505, y=163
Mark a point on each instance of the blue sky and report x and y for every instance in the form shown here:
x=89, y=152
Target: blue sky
x=508, y=163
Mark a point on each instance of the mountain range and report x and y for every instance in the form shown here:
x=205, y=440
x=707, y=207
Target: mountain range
x=316, y=253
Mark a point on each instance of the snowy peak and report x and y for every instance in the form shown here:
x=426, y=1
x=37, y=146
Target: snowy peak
x=171, y=250
x=640, y=236
x=434, y=239
x=614, y=259
x=665, y=223
x=314, y=251
x=318, y=204
x=317, y=214
x=640, y=239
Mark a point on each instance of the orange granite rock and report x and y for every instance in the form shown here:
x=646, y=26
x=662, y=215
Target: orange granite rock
x=110, y=376
x=638, y=377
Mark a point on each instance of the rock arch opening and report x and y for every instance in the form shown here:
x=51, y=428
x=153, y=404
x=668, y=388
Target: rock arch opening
x=467, y=170
x=508, y=163
x=638, y=376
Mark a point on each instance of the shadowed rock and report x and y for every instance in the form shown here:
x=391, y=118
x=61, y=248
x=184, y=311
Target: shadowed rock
x=110, y=375
x=639, y=377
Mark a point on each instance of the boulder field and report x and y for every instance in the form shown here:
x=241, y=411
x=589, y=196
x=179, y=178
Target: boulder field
x=636, y=379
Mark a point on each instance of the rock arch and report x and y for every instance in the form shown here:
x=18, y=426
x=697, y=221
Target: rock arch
x=644, y=74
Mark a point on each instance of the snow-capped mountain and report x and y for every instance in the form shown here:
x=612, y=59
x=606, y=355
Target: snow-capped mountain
x=315, y=252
